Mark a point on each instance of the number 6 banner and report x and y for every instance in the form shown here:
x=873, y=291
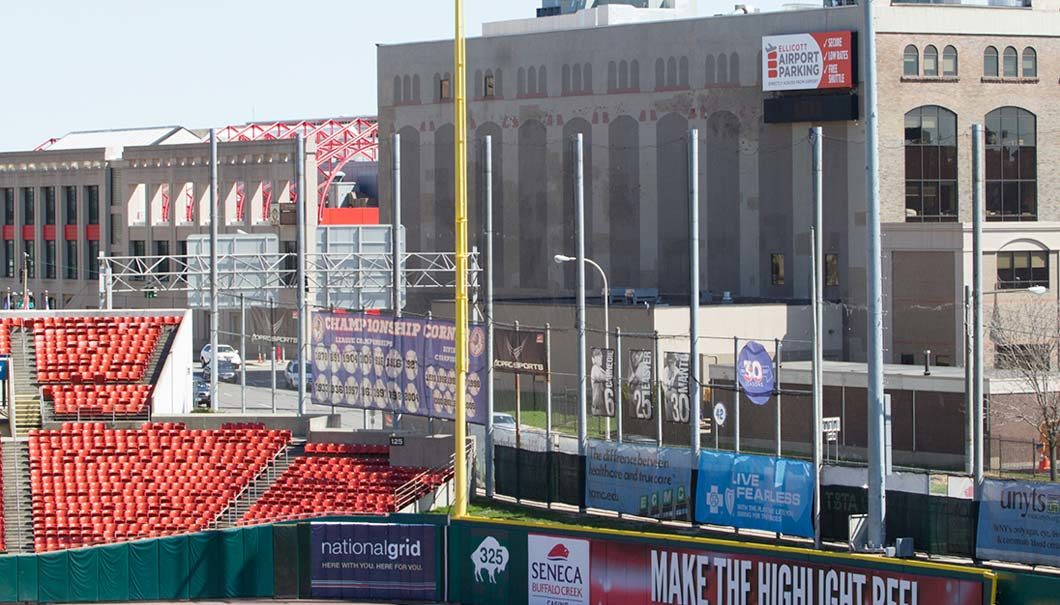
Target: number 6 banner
x=602, y=379
x=754, y=369
x=676, y=395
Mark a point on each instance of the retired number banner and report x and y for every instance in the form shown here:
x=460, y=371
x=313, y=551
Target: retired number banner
x=401, y=365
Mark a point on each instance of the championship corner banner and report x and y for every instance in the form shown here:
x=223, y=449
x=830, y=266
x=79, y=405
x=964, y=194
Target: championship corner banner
x=1019, y=522
x=641, y=480
x=398, y=365
x=379, y=561
x=755, y=492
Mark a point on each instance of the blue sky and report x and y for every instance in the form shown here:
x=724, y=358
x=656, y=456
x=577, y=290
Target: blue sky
x=84, y=65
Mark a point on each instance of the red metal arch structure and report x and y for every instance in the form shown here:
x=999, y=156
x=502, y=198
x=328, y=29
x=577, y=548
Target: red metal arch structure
x=338, y=141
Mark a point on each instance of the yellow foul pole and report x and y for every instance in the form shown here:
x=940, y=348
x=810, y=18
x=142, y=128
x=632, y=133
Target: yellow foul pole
x=460, y=105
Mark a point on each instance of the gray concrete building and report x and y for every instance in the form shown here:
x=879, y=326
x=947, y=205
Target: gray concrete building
x=633, y=89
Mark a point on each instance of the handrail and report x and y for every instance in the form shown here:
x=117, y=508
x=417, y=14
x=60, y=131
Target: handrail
x=407, y=493
x=235, y=499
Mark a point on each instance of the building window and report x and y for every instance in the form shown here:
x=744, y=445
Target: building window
x=29, y=258
x=907, y=359
x=9, y=206
x=776, y=269
x=1030, y=63
x=911, y=62
x=1018, y=270
x=92, y=259
x=92, y=200
x=70, y=259
x=444, y=91
x=949, y=62
x=1011, y=165
x=1027, y=357
x=70, y=205
x=49, y=259
x=990, y=62
x=831, y=269
x=161, y=249
x=930, y=165
x=9, y=258
x=49, y=205
x=1010, y=63
x=931, y=61
x=490, y=91
x=290, y=262
x=28, y=204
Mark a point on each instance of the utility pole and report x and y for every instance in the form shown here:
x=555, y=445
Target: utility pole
x=215, y=213
x=303, y=200
x=816, y=137
x=242, y=354
x=693, y=282
x=969, y=389
x=977, y=299
x=395, y=227
x=579, y=227
x=488, y=186
x=874, y=299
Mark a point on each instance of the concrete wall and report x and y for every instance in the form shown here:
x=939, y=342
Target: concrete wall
x=173, y=393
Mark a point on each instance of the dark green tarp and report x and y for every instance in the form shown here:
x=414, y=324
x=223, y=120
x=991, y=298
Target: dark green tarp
x=173, y=568
x=143, y=570
x=8, y=579
x=257, y=569
x=233, y=564
x=27, y=577
x=53, y=577
x=84, y=574
x=114, y=572
x=207, y=566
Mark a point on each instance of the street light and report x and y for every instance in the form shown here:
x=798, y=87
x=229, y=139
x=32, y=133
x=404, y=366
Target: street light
x=563, y=258
x=975, y=414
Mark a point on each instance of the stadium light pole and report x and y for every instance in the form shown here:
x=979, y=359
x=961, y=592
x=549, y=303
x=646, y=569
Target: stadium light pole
x=562, y=258
x=460, y=232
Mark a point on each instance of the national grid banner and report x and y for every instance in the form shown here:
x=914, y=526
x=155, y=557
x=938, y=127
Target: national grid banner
x=755, y=492
x=397, y=365
x=639, y=480
x=374, y=561
x=1019, y=522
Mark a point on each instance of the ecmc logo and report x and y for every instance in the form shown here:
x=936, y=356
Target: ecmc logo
x=490, y=557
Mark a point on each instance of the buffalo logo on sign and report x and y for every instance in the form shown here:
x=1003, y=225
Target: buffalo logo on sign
x=519, y=352
x=490, y=558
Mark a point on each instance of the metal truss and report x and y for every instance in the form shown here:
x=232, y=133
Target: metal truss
x=255, y=272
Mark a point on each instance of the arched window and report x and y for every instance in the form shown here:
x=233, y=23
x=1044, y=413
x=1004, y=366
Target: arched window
x=911, y=61
x=1010, y=63
x=531, y=81
x=660, y=74
x=416, y=88
x=1030, y=63
x=406, y=88
x=710, y=78
x=723, y=69
x=564, y=80
x=682, y=72
x=587, y=79
x=949, y=62
x=397, y=89
x=671, y=72
x=542, y=81
x=930, y=165
x=576, y=79
x=623, y=75
x=1011, y=165
x=612, y=75
x=990, y=62
x=734, y=68
x=931, y=61
x=520, y=82
x=634, y=75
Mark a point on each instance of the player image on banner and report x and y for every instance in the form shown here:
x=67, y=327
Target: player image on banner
x=602, y=379
x=638, y=383
x=676, y=395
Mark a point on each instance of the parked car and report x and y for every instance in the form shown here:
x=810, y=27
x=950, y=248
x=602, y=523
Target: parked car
x=503, y=420
x=226, y=371
x=201, y=390
x=224, y=353
x=290, y=373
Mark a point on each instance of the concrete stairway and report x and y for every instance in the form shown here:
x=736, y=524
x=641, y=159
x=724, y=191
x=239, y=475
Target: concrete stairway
x=18, y=497
x=27, y=414
x=259, y=485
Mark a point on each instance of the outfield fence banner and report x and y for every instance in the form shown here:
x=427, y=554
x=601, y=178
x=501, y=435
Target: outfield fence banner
x=755, y=492
x=375, y=561
x=399, y=365
x=1019, y=522
x=520, y=351
x=531, y=564
x=639, y=480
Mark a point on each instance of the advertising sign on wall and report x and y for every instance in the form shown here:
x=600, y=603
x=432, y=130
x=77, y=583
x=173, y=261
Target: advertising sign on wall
x=676, y=394
x=519, y=352
x=755, y=373
x=641, y=573
x=639, y=480
x=557, y=570
x=602, y=380
x=397, y=365
x=639, y=384
x=373, y=561
x=1019, y=522
x=755, y=492
x=808, y=61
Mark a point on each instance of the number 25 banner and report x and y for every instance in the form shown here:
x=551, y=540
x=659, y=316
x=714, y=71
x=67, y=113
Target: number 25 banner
x=754, y=370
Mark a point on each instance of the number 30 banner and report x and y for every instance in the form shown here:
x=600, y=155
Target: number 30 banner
x=754, y=369
x=676, y=394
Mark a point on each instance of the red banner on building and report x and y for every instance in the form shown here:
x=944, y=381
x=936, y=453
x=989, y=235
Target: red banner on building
x=808, y=61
